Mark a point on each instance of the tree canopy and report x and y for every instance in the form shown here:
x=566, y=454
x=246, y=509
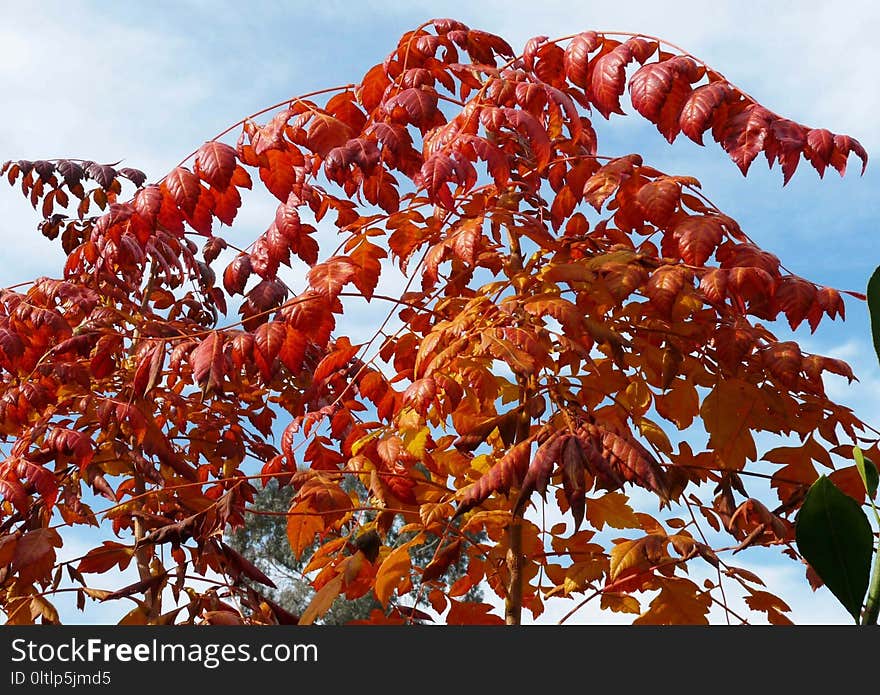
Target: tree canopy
x=563, y=317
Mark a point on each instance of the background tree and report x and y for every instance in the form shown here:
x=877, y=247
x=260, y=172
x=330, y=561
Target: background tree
x=558, y=306
x=263, y=541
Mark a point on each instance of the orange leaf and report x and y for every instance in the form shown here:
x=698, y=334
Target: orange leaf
x=442, y=560
x=109, y=554
x=467, y=613
x=302, y=526
x=35, y=554
x=393, y=570
x=321, y=601
x=366, y=259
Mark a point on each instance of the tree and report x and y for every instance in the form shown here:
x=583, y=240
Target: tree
x=263, y=541
x=543, y=346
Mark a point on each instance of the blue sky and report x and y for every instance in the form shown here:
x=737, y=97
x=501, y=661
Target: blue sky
x=148, y=83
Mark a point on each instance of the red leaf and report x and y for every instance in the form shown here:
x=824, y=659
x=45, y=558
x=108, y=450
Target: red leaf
x=436, y=172
x=531, y=48
x=785, y=143
x=268, y=339
x=366, y=258
x=820, y=146
x=659, y=200
x=209, y=364
x=226, y=204
x=212, y=248
x=13, y=492
x=184, y=188
x=784, y=361
x=312, y=314
x=267, y=294
x=468, y=613
x=65, y=442
x=288, y=223
x=574, y=484
x=327, y=132
x=699, y=109
x=147, y=370
x=714, y=285
x=372, y=87
x=215, y=163
x=750, y=284
x=609, y=74
x=507, y=472
x=630, y=459
x=338, y=358
x=293, y=349
x=441, y=561
x=328, y=278
x=280, y=172
x=417, y=106
x=659, y=91
x=796, y=297
x=744, y=135
x=147, y=202
x=42, y=479
x=664, y=287
x=577, y=57
x=236, y=275
x=534, y=132
x=35, y=554
x=698, y=236
x=843, y=146
x=540, y=469
x=420, y=395
x=109, y=554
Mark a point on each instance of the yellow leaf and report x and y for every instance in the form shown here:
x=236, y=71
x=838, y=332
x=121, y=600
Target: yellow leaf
x=394, y=568
x=612, y=509
x=653, y=433
x=321, y=601
x=490, y=519
x=619, y=603
x=639, y=555
x=416, y=444
x=482, y=463
x=363, y=441
x=408, y=419
x=680, y=602
x=638, y=396
x=578, y=575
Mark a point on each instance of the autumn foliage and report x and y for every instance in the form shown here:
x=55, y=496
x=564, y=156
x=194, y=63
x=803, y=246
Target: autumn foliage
x=564, y=316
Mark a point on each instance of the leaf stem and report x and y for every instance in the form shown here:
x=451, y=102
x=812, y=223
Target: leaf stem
x=872, y=606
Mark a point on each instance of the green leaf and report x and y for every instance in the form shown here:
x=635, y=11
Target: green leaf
x=834, y=536
x=868, y=471
x=874, y=308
